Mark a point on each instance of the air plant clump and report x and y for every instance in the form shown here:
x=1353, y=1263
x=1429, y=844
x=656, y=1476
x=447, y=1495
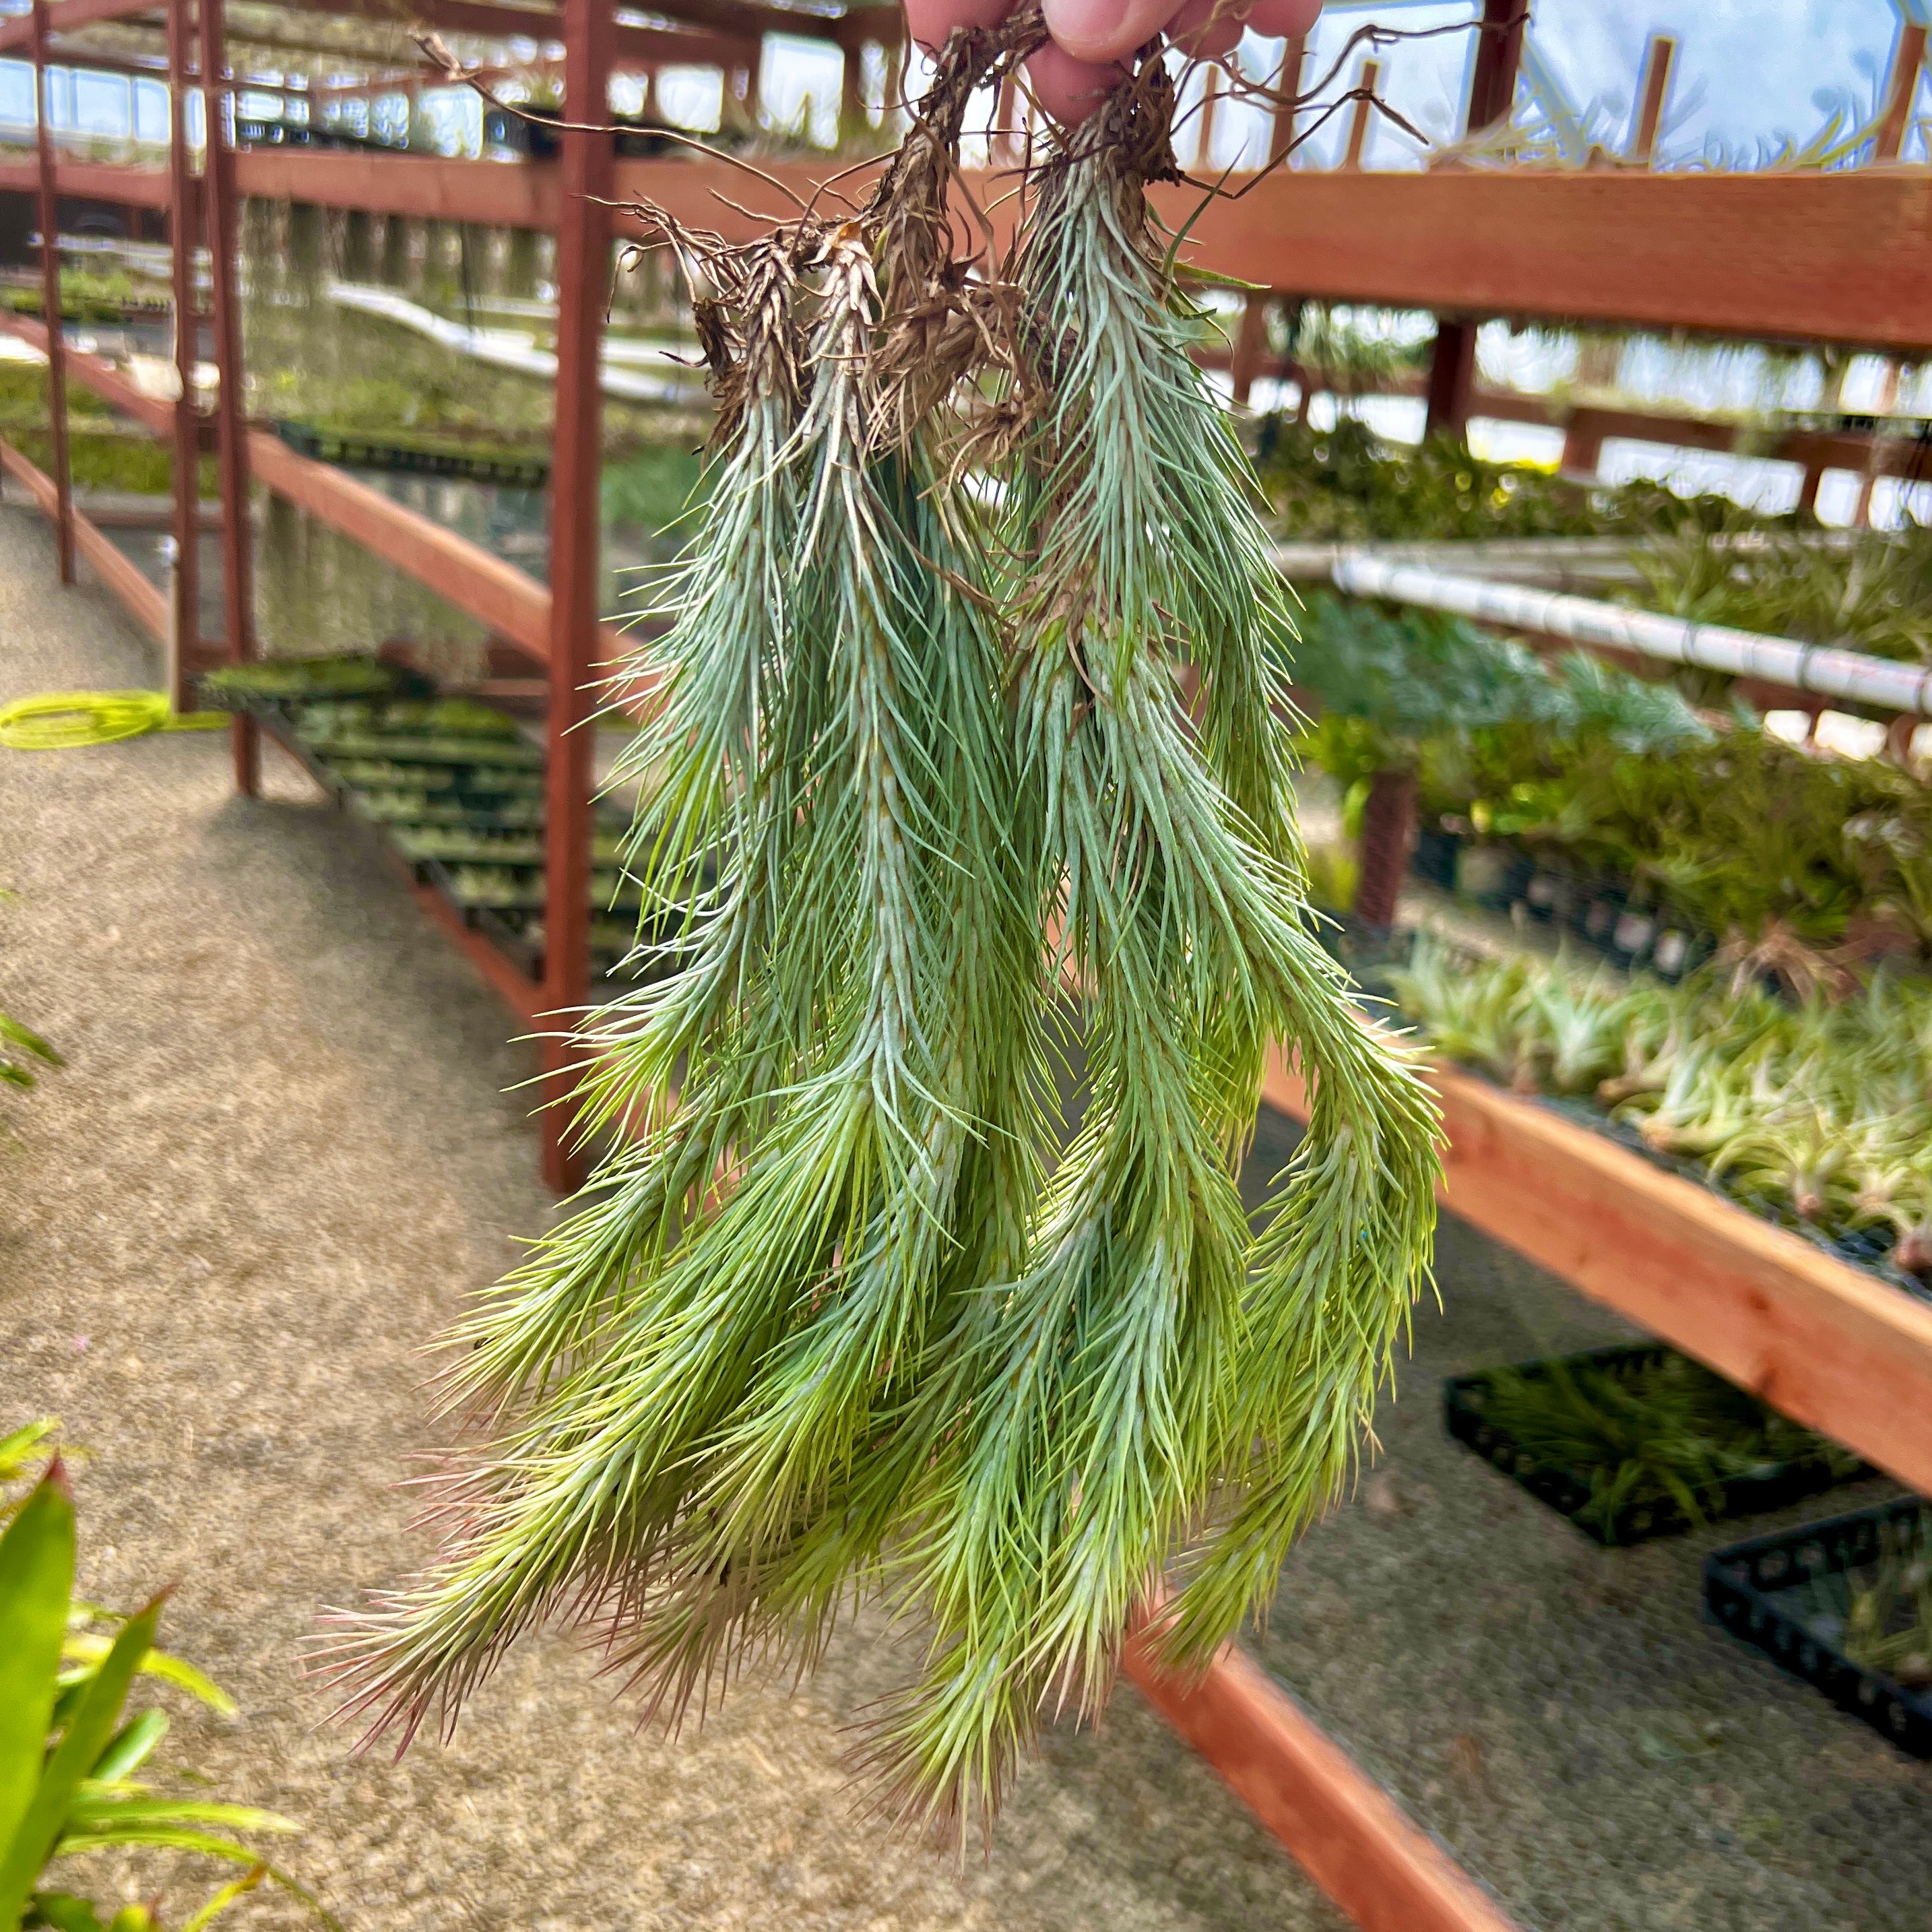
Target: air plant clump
x=863, y=1305
x=1666, y=1431
x=1815, y=1112
x=1879, y=1612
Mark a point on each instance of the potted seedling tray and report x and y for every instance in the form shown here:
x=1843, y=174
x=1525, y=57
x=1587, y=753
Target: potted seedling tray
x=1847, y=1604
x=475, y=754
x=323, y=720
x=504, y=889
x=466, y=845
x=428, y=455
x=1637, y=1441
x=275, y=684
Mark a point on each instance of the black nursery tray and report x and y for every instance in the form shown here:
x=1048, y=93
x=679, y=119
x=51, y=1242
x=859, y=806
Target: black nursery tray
x=1567, y=1490
x=1770, y=1591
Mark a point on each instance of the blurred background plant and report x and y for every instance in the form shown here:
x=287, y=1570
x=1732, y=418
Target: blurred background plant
x=1647, y=1431
x=1813, y=1112
x=90, y=294
x=1585, y=778
x=1870, y=592
x=1405, y=692
x=24, y=1055
x=69, y=1752
x=1345, y=483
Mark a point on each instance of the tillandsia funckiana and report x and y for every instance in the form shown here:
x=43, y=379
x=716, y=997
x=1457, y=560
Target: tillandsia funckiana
x=864, y=1304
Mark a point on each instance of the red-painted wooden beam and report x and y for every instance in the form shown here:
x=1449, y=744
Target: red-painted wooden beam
x=1840, y=257
x=1337, y=1823
x=1821, y=1342
x=141, y=600
x=739, y=19
x=510, y=600
x=93, y=181
x=93, y=373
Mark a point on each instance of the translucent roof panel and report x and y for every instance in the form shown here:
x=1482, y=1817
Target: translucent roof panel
x=1426, y=79
x=1752, y=77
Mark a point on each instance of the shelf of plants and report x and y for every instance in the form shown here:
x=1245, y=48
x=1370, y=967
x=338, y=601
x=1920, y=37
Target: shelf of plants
x=1729, y=1145
x=455, y=789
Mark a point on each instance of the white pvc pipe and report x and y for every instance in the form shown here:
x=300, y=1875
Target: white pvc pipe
x=1816, y=668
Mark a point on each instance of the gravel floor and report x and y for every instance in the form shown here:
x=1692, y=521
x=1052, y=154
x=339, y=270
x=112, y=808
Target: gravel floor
x=283, y=1150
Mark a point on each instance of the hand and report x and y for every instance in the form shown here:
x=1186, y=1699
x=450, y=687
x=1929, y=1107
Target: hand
x=1072, y=73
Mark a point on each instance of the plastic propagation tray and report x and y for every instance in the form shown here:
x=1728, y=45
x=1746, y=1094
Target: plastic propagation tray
x=1567, y=1491
x=523, y=469
x=1785, y=1595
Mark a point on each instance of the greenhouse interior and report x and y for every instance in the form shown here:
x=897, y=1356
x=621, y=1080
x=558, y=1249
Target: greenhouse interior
x=966, y=964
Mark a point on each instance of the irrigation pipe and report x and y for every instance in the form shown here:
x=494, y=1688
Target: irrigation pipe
x=61, y=720
x=1816, y=668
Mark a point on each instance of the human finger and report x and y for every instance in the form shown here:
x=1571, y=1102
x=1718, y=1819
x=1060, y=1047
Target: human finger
x=930, y=21
x=1070, y=89
x=1099, y=30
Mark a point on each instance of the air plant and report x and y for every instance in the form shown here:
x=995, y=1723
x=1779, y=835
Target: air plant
x=1663, y=1431
x=1798, y=1155
x=1819, y=1111
x=858, y=1308
x=1880, y=1613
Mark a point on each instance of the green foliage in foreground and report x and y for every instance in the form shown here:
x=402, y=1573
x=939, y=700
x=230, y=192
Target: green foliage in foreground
x=68, y=1752
x=1818, y=1113
x=1666, y=1431
x=20, y=1049
x=24, y=1054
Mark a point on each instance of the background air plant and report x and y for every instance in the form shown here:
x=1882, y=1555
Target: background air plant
x=919, y=1270
x=1648, y=1432
x=1817, y=1111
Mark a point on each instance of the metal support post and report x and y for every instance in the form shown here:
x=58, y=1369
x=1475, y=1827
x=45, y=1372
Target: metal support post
x=1908, y=62
x=1452, y=371
x=1653, y=90
x=182, y=228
